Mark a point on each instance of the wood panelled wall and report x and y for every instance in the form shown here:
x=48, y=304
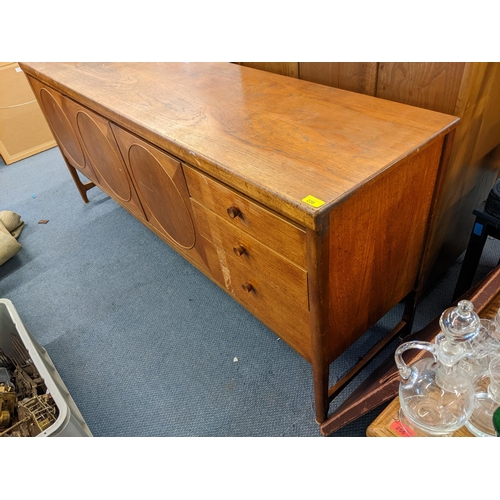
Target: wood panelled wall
x=470, y=91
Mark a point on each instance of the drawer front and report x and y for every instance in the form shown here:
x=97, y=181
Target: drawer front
x=253, y=291
x=244, y=251
x=284, y=237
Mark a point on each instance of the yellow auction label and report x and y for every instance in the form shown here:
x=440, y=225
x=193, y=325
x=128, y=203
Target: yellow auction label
x=314, y=202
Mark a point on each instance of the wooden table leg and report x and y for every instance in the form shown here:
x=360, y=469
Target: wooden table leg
x=82, y=187
x=320, y=379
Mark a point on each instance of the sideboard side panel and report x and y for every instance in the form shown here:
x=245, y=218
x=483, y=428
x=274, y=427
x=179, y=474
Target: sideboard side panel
x=376, y=239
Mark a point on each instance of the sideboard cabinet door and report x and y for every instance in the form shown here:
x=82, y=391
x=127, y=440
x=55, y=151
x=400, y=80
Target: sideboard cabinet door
x=87, y=142
x=61, y=118
x=160, y=183
x=102, y=150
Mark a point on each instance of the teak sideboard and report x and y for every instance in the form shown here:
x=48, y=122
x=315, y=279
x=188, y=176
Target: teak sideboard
x=309, y=205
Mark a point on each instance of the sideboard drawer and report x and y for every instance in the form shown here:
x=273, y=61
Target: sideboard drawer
x=244, y=251
x=274, y=231
x=255, y=292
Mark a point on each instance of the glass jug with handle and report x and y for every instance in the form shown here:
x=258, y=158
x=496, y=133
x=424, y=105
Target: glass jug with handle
x=435, y=395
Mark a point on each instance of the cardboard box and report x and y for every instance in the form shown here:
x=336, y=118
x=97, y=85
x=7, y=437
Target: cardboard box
x=23, y=128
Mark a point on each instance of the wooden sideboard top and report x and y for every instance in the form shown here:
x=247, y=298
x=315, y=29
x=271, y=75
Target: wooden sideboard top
x=274, y=138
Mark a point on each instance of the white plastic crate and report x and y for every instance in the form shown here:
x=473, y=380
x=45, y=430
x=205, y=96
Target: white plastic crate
x=69, y=421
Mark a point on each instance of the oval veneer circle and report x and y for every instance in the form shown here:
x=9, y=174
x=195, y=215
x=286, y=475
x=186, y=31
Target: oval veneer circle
x=159, y=192
x=62, y=129
x=104, y=156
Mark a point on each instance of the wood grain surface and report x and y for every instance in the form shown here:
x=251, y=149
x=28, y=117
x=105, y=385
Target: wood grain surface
x=279, y=234
x=242, y=250
x=468, y=90
x=354, y=76
x=386, y=219
x=432, y=85
x=281, y=68
x=277, y=140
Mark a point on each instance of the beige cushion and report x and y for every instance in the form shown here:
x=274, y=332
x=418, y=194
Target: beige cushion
x=12, y=222
x=11, y=226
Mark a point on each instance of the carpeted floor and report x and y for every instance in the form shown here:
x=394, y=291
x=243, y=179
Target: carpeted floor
x=146, y=344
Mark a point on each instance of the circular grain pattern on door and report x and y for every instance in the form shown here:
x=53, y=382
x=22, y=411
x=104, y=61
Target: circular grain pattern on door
x=104, y=156
x=158, y=191
x=62, y=129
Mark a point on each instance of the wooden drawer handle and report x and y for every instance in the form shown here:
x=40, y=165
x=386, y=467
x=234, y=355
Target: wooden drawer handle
x=239, y=250
x=234, y=212
x=248, y=287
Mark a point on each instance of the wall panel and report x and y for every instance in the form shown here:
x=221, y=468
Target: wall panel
x=427, y=85
x=356, y=77
x=281, y=68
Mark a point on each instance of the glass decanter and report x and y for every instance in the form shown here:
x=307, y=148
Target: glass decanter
x=487, y=400
x=435, y=395
x=484, y=347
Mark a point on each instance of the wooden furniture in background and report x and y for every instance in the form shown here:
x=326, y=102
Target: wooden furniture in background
x=309, y=205
x=361, y=77
x=470, y=91
x=23, y=129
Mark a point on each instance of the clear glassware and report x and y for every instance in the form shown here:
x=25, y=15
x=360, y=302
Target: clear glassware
x=484, y=347
x=435, y=395
x=496, y=321
x=487, y=401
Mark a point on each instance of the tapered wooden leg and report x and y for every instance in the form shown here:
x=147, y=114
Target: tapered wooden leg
x=320, y=380
x=82, y=187
x=318, y=259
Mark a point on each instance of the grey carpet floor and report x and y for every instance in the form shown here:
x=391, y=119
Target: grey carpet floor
x=146, y=344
